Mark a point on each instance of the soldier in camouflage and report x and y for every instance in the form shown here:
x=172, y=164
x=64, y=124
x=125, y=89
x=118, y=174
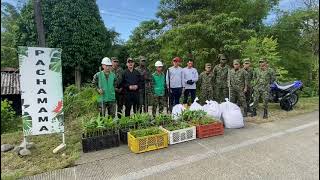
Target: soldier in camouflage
x=272, y=71
x=117, y=70
x=220, y=76
x=238, y=85
x=262, y=79
x=145, y=92
x=206, y=84
x=249, y=70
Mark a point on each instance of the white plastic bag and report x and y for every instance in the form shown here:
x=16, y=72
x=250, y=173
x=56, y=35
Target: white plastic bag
x=177, y=110
x=231, y=115
x=212, y=108
x=195, y=106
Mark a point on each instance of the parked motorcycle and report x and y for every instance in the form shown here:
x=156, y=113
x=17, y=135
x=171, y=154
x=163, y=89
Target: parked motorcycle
x=286, y=94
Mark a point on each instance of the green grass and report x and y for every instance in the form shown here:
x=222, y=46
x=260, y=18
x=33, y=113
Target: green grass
x=42, y=159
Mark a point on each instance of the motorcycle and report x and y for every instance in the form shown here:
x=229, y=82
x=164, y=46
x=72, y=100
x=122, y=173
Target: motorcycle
x=285, y=93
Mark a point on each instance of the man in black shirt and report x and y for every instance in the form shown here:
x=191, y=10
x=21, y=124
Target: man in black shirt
x=131, y=82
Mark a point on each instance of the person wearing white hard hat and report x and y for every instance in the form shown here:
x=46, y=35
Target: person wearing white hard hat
x=105, y=82
x=159, y=85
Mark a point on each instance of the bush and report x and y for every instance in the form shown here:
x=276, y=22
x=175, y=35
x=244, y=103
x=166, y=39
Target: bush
x=78, y=102
x=309, y=92
x=9, y=121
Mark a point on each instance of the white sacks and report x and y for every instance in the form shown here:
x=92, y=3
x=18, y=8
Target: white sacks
x=212, y=108
x=177, y=110
x=195, y=106
x=231, y=115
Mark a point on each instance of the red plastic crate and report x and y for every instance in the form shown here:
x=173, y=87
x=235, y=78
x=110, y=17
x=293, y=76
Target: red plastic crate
x=208, y=130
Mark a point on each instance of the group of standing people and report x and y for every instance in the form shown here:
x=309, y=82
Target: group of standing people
x=137, y=87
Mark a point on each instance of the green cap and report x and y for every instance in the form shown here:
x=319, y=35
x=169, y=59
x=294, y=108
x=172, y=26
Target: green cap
x=142, y=58
x=222, y=57
x=246, y=61
x=236, y=61
x=263, y=59
x=208, y=65
x=114, y=59
x=130, y=59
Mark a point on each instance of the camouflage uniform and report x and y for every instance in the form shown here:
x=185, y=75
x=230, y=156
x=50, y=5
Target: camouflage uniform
x=119, y=91
x=206, y=82
x=238, y=82
x=273, y=74
x=145, y=92
x=249, y=92
x=220, y=76
x=261, y=86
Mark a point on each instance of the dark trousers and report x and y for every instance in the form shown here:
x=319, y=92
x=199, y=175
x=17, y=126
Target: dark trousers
x=175, y=95
x=132, y=100
x=186, y=93
x=120, y=102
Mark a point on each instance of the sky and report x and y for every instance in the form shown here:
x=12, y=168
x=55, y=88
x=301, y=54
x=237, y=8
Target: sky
x=125, y=15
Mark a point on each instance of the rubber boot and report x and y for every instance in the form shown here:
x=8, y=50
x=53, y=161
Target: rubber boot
x=265, y=113
x=253, y=112
x=249, y=109
x=245, y=112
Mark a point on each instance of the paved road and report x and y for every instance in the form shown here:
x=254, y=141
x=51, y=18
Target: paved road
x=286, y=149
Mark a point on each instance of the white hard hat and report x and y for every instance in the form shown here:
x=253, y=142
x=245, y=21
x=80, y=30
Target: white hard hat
x=158, y=63
x=106, y=61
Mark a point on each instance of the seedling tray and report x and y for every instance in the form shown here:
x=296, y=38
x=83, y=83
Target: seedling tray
x=147, y=143
x=124, y=135
x=100, y=142
x=181, y=135
x=208, y=130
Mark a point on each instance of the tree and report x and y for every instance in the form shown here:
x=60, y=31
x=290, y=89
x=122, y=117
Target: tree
x=74, y=26
x=251, y=11
x=298, y=36
x=144, y=40
x=205, y=36
x=9, y=16
x=256, y=48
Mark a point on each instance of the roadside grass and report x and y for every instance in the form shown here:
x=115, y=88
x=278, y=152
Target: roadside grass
x=275, y=113
x=42, y=159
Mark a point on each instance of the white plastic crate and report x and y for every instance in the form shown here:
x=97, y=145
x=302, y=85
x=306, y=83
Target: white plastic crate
x=181, y=135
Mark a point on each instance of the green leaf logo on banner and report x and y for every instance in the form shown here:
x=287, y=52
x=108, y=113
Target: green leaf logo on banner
x=55, y=61
x=27, y=124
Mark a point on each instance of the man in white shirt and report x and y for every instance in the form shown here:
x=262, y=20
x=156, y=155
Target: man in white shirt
x=190, y=76
x=175, y=82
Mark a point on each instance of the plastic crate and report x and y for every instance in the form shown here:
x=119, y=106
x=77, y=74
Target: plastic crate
x=147, y=143
x=208, y=130
x=99, y=142
x=181, y=135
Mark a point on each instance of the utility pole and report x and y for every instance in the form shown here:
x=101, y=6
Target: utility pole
x=39, y=23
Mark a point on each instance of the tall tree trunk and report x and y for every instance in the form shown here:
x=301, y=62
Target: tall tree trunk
x=77, y=76
x=39, y=23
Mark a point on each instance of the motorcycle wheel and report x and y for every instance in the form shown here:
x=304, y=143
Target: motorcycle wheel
x=294, y=98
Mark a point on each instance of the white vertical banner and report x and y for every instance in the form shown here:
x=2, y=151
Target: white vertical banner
x=41, y=90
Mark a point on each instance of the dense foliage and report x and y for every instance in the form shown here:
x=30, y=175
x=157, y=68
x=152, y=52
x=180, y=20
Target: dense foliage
x=9, y=121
